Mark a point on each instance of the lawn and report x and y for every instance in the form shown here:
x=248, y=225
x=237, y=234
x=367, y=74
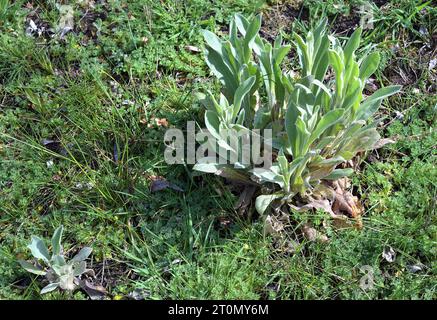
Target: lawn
x=87, y=91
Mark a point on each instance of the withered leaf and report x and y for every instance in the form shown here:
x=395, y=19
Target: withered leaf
x=95, y=292
x=316, y=204
x=273, y=226
x=345, y=202
x=245, y=199
x=312, y=234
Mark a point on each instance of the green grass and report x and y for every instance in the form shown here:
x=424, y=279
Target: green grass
x=125, y=64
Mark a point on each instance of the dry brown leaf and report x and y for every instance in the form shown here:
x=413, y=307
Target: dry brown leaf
x=155, y=122
x=316, y=204
x=344, y=201
x=245, y=198
x=95, y=292
x=312, y=234
x=339, y=224
x=161, y=122
x=290, y=246
x=272, y=226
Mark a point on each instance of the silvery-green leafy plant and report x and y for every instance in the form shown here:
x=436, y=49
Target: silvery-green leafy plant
x=244, y=80
x=248, y=66
x=59, y=272
x=320, y=119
